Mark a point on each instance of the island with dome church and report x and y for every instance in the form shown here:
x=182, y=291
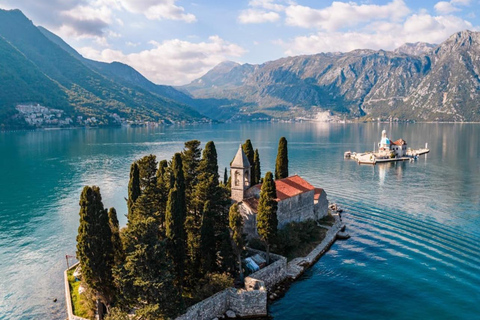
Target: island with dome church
x=388, y=151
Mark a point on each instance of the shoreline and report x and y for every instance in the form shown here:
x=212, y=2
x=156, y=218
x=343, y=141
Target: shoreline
x=298, y=266
x=260, y=296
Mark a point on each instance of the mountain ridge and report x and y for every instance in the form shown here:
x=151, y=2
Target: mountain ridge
x=404, y=83
x=83, y=89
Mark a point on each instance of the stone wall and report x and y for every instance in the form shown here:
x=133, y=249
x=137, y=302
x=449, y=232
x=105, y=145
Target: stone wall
x=68, y=299
x=243, y=302
x=321, y=206
x=246, y=303
x=214, y=306
x=274, y=273
x=298, y=208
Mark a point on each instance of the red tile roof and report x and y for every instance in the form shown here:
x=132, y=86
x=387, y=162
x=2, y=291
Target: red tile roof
x=290, y=187
x=318, y=192
x=399, y=142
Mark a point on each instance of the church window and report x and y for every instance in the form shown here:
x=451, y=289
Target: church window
x=237, y=178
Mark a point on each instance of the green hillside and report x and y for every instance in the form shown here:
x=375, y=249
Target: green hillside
x=41, y=71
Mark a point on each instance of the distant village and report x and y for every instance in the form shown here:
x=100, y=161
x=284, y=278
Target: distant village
x=38, y=116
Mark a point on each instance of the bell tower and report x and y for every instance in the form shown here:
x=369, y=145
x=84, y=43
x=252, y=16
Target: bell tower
x=240, y=175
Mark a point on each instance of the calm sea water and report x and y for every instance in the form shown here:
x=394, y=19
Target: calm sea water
x=415, y=227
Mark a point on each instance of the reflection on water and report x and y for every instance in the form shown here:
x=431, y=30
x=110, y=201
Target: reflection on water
x=404, y=217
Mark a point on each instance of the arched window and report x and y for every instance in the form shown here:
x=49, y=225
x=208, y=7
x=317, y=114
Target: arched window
x=247, y=179
x=237, y=178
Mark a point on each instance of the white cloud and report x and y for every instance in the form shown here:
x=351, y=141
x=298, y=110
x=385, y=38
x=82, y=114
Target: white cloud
x=261, y=11
x=158, y=9
x=172, y=61
x=341, y=15
x=267, y=4
x=380, y=35
x=257, y=16
x=461, y=2
x=446, y=7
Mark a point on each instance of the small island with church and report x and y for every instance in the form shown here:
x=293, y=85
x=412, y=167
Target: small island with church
x=388, y=151
x=196, y=246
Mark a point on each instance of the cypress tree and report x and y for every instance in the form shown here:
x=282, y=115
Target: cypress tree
x=267, y=221
x=208, y=239
x=236, y=234
x=209, y=190
x=162, y=191
x=256, y=174
x=175, y=219
x=191, y=156
x=118, y=252
x=229, y=184
x=248, y=149
x=209, y=163
x=147, y=167
x=94, y=244
x=146, y=279
x=162, y=169
x=281, y=167
x=133, y=188
x=225, y=177
x=191, y=160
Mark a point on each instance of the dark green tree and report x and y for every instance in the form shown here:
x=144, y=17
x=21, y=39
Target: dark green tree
x=133, y=188
x=162, y=190
x=162, y=169
x=175, y=219
x=267, y=221
x=281, y=167
x=118, y=252
x=256, y=173
x=209, y=189
x=146, y=279
x=208, y=251
x=147, y=171
x=225, y=176
x=236, y=234
x=248, y=149
x=94, y=244
x=191, y=156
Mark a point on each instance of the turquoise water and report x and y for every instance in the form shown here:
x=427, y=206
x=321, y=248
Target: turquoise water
x=415, y=227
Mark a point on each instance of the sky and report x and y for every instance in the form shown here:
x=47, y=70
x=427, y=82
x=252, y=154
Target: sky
x=176, y=41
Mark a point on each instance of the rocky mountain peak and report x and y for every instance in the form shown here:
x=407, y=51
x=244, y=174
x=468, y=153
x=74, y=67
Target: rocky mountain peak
x=416, y=49
x=462, y=40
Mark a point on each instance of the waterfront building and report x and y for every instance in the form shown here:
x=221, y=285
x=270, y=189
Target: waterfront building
x=297, y=199
x=399, y=147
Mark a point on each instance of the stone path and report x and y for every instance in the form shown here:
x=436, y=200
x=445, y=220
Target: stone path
x=297, y=266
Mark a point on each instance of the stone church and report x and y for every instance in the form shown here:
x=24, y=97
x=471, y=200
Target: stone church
x=297, y=199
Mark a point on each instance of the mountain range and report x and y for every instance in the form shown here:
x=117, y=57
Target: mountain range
x=417, y=81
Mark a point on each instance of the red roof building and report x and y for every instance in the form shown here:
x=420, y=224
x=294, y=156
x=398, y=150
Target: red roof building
x=290, y=187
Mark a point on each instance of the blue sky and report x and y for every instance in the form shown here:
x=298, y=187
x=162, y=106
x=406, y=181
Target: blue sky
x=176, y=41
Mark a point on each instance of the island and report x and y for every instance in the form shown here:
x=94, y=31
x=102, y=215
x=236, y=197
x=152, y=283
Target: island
x=196, y=246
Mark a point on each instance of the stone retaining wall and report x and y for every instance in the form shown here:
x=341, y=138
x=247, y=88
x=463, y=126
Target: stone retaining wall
x=68, y=297
x=245, y=303
x=297, y=266
x=214, y=306
x=272, y=274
